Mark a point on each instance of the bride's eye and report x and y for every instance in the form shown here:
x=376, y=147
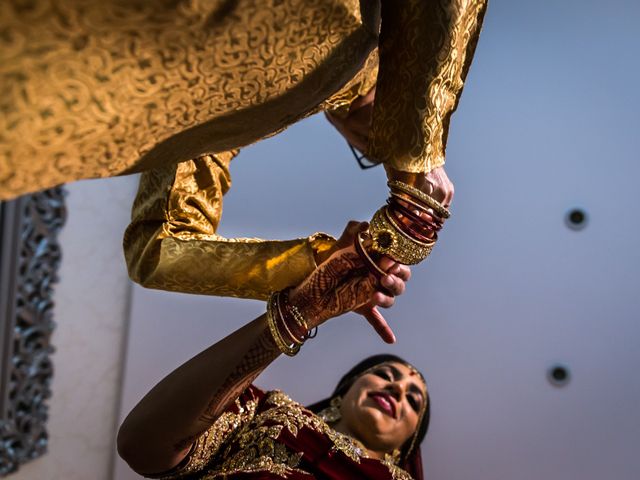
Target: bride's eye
x=383, y=373
x=413, y=401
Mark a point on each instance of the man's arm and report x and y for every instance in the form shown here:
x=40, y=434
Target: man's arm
x=425, y=48
x=425, y=51
x=171, y=243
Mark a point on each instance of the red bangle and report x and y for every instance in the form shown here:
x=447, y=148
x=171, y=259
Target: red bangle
x=295, y=322
x=432, y=222
x=412, y=225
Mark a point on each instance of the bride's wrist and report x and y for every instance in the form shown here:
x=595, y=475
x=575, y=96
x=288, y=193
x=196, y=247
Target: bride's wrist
x=305, y=308
x=288, y=327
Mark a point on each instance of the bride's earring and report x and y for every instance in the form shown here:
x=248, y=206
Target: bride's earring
x=332, y=414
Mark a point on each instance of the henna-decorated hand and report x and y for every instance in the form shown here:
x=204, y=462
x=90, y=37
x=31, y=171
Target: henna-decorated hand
x=343, y=283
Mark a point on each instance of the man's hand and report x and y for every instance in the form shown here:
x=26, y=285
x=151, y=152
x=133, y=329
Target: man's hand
x=436, y=183
x=394, y=283
x=355, y=127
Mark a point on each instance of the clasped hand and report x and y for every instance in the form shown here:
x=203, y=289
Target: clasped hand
x=355, y=128
x=342, y=283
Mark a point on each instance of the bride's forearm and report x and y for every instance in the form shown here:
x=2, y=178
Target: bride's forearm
x=160, y=430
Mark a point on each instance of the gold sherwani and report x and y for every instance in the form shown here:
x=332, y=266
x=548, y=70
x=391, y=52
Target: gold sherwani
x=100, y=88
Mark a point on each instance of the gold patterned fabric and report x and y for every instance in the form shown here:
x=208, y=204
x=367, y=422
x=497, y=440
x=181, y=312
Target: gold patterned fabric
x=94, y=88
x=268, y=435
x=426, y=47
x=171, y=243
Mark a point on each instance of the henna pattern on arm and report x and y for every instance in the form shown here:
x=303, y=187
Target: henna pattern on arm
x=339, y=285
x=261, y=353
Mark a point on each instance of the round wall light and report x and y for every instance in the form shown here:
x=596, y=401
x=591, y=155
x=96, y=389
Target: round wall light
x=558, y=375
x=576, y=219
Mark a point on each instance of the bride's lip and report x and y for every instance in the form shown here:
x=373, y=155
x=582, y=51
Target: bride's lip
x=386, y=402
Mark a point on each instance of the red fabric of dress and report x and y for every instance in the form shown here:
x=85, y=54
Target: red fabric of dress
x=266, y=435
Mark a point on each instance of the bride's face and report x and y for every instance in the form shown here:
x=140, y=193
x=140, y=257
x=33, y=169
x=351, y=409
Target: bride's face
x=383, y=406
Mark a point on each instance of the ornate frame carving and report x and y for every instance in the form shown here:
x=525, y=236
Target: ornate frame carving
x=29, y=260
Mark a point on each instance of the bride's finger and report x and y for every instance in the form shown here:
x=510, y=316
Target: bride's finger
x=394, y=285
x=387, y=264
x=382, y=299
x=392, y=267
x=403, y=272
x=379, y=324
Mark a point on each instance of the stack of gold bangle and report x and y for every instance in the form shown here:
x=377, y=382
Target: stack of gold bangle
x=300, y=321
x=419, y=195
x=289, y=349
x=388, y=238
x=278, y=321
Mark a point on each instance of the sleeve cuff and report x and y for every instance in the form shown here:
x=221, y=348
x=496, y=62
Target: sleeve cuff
x=320, y=242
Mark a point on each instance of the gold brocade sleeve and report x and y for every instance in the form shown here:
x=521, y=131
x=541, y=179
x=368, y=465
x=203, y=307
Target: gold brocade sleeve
x=339, y=104
x=425, y=48
x=171, y=243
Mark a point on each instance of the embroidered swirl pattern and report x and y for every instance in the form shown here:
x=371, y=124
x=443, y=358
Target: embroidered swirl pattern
x=171, y=243
x=95, y=89
x=426, y=48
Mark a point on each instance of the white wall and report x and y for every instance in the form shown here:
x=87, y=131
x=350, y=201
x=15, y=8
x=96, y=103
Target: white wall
x=548, y=122
x=91, y=312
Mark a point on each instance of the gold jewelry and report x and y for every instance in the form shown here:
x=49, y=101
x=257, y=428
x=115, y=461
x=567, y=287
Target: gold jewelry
x=390, y=219
x=331, y=414
x=421, y=196
x=362, y=251
x=417, y=205
x=292, y=337
x=394, y=457
x=415, y=435
x=389, y=240
x=275, y=332
x=298, y=317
